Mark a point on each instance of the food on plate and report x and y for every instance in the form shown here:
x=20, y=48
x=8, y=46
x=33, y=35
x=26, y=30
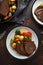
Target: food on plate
x=39, y=12
x=29, y=47
x=22, y=42
x=7, y=9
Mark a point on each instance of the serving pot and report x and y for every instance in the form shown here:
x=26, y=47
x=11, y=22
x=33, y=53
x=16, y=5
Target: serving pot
x=20, y=7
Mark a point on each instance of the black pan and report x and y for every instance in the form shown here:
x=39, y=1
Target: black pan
x=20, y=7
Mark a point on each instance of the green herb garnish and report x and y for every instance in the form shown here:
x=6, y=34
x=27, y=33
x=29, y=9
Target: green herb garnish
x=25, y=39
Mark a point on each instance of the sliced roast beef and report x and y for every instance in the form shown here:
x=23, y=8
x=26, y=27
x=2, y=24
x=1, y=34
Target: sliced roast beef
x=39, y=13
x=4, y=7
x=20, y=49
x=25, y=48
x=29, y=47
x=23, y=52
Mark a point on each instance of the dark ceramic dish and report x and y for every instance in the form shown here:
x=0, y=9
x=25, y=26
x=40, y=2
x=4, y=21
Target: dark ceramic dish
x=20, y=7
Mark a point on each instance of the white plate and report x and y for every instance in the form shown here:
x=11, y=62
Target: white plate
x=35, y=5
x=11, y=35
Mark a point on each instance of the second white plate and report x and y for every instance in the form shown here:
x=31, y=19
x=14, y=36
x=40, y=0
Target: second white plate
x=35, y=5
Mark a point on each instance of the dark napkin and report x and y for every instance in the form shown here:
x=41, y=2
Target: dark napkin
x=22, y=4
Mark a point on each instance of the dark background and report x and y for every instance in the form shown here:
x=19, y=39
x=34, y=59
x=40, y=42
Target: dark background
x=5, y=57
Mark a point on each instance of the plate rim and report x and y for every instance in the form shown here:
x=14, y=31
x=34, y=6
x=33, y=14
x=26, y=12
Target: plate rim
x=34, y=16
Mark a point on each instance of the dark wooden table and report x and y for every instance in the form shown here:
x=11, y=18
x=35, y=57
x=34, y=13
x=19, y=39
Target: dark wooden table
x=5, y=57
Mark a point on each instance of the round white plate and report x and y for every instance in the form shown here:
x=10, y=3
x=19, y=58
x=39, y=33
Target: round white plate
x=11, y=35
x=35, y=5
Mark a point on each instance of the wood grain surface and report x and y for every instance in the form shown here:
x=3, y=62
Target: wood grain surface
x=5, y=57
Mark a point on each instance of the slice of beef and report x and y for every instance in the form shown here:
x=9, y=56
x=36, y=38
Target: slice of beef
x=38, y=9
x=39, y=13
x=20, y=49
x=23, y=52
x=25, y=48
x=29, y=47
x=4, y=7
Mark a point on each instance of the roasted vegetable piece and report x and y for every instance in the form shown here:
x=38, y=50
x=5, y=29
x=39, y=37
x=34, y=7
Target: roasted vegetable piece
x=10, y=9
x=22, y=31
x=17, y=32
x=6, y=17
x=13, y=0
x=21, y=38
x=13, y=45
x=13, y=11
x=17, y=36
x=14, y=7
x=25, y=39
x=12, y=40
x=18, y=42
x=10, y=14
x=27, y=34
